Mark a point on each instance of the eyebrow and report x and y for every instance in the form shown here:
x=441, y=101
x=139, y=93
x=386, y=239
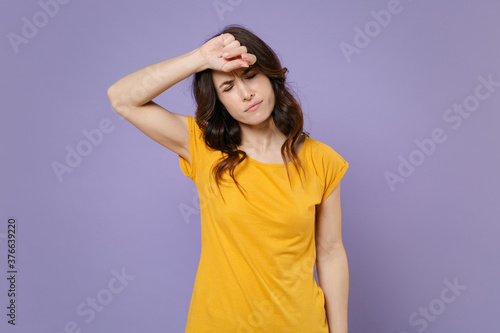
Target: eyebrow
x=231, y=81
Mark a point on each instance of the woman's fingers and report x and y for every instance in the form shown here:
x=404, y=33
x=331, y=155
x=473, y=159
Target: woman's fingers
x=232, y=65
x=227, y=38
x=229, y=49
x=246, y=60
x=249, y=58
x=231, y=53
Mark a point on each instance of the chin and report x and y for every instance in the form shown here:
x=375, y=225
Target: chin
x=262, y=118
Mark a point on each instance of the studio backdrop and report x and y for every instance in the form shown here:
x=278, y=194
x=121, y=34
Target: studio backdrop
x=100, y=230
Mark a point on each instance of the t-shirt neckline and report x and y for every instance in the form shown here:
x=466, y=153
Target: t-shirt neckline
x=299, y=154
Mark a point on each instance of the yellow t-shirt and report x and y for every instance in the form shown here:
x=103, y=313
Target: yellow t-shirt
x=256, y=269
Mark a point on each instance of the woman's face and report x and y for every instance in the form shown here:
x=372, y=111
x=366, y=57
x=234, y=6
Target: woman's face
x=239, y=89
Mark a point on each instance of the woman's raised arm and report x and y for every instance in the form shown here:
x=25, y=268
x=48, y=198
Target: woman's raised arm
x=131, y=96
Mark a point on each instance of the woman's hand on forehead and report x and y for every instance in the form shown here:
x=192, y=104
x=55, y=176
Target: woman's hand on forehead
x=225, y=53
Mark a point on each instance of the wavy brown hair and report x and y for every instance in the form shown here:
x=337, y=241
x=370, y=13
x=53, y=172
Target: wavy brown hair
x=222, y=132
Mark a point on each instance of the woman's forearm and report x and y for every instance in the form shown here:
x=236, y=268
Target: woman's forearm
x=140, y=87
x=333, y=278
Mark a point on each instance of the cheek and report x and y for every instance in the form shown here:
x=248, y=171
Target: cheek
x=229, y=100
x=264, y=84
x=269, y=85
x=270, y=89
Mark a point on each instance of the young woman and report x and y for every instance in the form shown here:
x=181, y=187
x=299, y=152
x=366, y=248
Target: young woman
x=269, y=194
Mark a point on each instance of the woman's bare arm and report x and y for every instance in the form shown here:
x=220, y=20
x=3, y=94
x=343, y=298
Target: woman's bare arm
x=132, y=95
x=140, y=87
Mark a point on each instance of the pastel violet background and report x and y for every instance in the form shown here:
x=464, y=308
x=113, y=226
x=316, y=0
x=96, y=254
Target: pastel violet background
x=122, y=228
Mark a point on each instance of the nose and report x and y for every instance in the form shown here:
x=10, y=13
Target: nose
x=246, y=91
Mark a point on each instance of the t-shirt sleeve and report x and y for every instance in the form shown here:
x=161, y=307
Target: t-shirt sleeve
x=195, y=149
x=333, y=169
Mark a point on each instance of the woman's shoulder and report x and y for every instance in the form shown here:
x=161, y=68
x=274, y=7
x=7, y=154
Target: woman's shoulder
x=323, y=152
x=320, y=146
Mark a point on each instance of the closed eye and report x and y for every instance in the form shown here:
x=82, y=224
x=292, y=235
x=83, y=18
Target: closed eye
x=250, y=77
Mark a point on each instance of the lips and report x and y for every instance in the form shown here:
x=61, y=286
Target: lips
x=252, y=105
